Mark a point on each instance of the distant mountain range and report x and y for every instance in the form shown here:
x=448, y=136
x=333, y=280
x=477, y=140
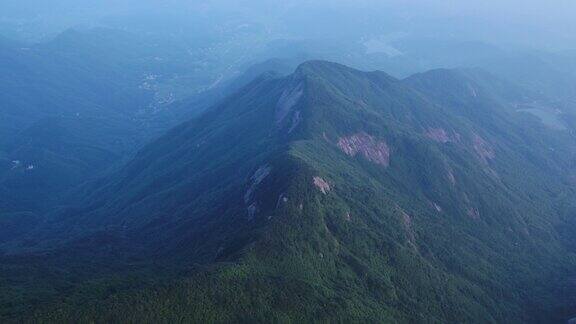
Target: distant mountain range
x=78, y=105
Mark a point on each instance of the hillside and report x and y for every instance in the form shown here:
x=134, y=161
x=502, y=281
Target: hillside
x=329, y=195
x=82, y=103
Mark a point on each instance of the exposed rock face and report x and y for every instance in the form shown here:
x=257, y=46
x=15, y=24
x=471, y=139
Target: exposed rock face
x=451, y=177
x=296, y=118
x=482, y=148
x=261, y=174
x=289, y=99
x=282, y=199
x=322, y=185
x=407, y=223
x=252, y=210
x=257, y=178
x=473, y=213
x=438, y=135
x=371, y=149
x=473, y=92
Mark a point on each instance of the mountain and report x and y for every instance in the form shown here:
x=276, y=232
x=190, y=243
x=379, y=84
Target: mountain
x=550, y=74
x=80, y=103
x=64, y=118
x=73, y=108
x=330, y=194
x=37, y=83
x=274, y=67
x=101, y=73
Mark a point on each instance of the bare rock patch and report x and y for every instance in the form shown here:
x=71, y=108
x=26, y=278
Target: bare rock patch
x=376, y=151
x=483, y=148
x=288, y=100
x=322, y=185
x=451, y=177
x=473, y=213
x=438, y=135
x=407, y=223
x=256, y=179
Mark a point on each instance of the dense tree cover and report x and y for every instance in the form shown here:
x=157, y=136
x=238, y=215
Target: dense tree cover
x=446, y=205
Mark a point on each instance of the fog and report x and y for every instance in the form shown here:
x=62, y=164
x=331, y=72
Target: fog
x=537, y=24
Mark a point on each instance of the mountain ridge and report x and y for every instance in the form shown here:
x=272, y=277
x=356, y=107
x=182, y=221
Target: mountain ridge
x=326, y=183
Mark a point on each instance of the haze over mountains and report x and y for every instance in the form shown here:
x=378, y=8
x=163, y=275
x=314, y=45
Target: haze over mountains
x=513, y=21
x=208, y=162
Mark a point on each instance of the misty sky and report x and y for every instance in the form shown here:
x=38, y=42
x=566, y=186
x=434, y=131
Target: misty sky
x=534, y=23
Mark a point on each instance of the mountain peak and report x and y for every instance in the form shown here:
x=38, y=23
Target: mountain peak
x=330, y=70
x=315, y=66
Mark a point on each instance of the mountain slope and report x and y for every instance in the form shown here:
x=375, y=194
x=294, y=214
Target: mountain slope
x=73, y=105
x=77, y=105
x=334, y=195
